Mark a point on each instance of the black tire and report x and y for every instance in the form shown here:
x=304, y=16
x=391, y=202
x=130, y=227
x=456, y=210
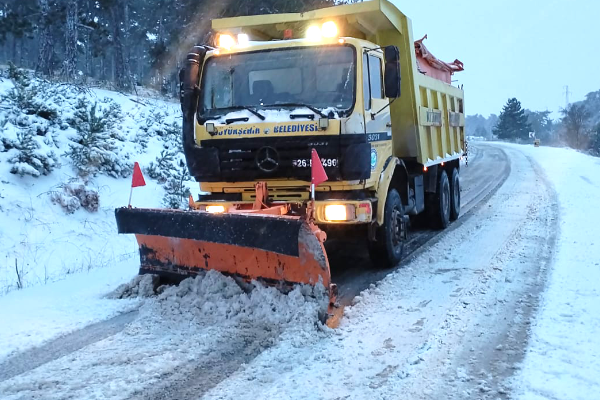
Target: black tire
x=454, y=195
x=387, y=251
x=439, y=203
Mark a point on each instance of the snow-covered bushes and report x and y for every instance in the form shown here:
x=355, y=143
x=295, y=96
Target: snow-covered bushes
x=95, y=147
x=36, y=112
x=30, y=113
x=75, y=195
x=161, y=168
x=155, y=125
x=33, y=156
x=32, y=98
x=169, y=167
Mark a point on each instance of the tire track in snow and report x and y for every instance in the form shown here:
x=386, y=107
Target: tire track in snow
x=200, y=377
x=479, y=182
x=64, y=345
x=493, y=346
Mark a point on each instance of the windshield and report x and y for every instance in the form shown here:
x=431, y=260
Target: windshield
x=320, y=77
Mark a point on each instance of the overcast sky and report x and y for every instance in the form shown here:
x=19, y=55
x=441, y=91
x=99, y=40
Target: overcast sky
x=528, y=49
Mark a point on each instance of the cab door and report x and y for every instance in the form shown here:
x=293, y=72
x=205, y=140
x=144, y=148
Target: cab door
x=378, y=123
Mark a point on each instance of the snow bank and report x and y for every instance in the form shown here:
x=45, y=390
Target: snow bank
x=212, y=298
x=563, y=360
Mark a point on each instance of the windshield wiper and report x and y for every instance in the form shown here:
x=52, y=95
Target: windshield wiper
x=311, y=108
x=232, y=120
x=253, y=111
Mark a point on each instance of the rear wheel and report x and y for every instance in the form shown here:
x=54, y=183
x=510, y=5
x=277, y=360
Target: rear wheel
x=439, y=203
x=386, y=252
x=454, y=195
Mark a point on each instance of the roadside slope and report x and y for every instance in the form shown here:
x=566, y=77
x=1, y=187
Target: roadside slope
x=563, y=359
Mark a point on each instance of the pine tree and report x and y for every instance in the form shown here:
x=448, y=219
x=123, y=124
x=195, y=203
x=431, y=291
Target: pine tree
x=176, y=191
x=31, y=158
x=541, y=124
x=512, y=123
x=94, y=149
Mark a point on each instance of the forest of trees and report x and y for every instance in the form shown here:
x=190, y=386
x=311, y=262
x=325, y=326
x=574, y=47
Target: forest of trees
x=578, y=126
x=121, y=42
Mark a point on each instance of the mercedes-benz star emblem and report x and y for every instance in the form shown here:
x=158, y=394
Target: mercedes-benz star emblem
x=267, y=159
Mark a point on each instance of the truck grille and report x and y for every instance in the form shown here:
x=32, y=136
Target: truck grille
x=241, y=159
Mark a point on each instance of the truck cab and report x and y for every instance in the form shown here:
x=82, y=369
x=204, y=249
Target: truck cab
x=264, y=106
x=273, y=88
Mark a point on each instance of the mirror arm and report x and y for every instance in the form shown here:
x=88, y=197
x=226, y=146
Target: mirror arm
x=373, y=115
x=368, y=50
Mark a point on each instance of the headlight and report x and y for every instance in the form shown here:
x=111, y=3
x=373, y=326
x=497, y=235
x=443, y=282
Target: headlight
x=329, y=29
x=226, y=41
x=335, y=212
x=215, y=209
x=313, y=33
x=243, y=39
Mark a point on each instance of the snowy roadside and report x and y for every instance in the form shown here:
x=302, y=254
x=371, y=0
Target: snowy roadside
x=35, y=315
x=45, y=234
x=563, y=359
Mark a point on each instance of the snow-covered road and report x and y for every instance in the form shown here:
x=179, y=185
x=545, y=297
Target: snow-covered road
x=454, y=322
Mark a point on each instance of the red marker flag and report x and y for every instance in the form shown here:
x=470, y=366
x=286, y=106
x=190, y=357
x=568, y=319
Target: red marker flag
x=138, y=178
x=317, y=172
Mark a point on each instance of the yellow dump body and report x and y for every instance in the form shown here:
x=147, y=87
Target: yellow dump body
x=428, y=119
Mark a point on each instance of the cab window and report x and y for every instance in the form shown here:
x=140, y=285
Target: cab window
x=375, y=77
x=372, y=79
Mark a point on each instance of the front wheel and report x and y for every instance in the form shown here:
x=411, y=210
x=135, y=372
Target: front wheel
x=386, y=251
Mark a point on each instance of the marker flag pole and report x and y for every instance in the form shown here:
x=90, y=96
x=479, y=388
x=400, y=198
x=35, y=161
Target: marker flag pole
x=317, y=172
x=136, y=180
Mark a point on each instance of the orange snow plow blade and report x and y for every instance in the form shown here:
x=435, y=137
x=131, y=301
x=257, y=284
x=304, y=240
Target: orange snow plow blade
x=276, y=249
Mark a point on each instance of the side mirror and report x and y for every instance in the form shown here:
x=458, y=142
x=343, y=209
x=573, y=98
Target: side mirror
x=392, y=76
x=188, y=78
x=188, y=96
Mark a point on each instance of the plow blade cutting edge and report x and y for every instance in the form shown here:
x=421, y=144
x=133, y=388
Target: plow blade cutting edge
x=275, y=249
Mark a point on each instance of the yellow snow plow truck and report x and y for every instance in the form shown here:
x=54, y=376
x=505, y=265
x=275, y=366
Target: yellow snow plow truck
x=348, y=83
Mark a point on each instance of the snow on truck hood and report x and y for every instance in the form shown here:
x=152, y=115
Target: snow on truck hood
x=271, y=115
